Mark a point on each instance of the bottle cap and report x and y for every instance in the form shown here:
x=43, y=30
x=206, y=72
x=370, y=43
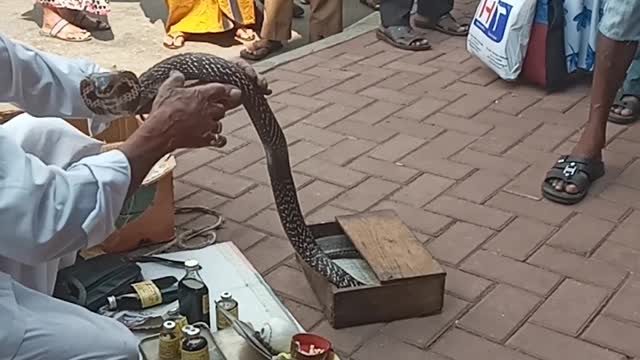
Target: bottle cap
x=225, y=295
x=169, y=325
x=191, y=264
x=191, y=330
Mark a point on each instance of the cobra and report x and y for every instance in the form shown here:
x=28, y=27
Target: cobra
x=123, y=93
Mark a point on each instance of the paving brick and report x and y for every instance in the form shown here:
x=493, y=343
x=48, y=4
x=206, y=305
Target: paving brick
x=182, y=190
x=268, y=253
x=280, y=86
x=366, y=194
x=383, y=169
x=384, y=347
x=382, y=58
x=400, y=80
x=293, y=284
x=437, y=81
x=479, y=186
x=243, y=237
x=471, y=89
x=519, y=239
x=362, y=130
x=464, y=285
x=548, y=137
x=391, y=96
x=300, y=101
x=363, y=81
x=420, y=57
x=500, y=312
x=329, y=115
x=528, y=183
x=603, y=209
x=302, y=64
x=613, y=130
x=624, y=304
x=483, y=77
x=279, y=74
x=619, y=255
x=240, y=158
x=458, y=124
x=470, y=212
x=193, y=159
x=418, y=69
x=258, y=172
x=344, y=98
x=314, y=87
x=544, y=211
x=622, y=195
x=317, y=193
x=291, y=115
x=512, y=272
x=213, y=180
x=268, y=221
x=306, y=316
x=441, y=167
x=460, y=345
x=313, y=134
x=581, y=234
x=423, y=330
x=329, y=73
x=469, y=105
x=514, y=104
x=549, y=345
x=421, y=109
x=422, y=190
x=342, y=61
x=411, y=128
x=508, y=121
x=499, y=165
x=302, y=150
x=445, y=145
x=570, y=307
x=562, y=101
x=375, y=112
x=587, y=270
x=346, y=150
x=326, y=214
x=396, y=147
x=458, y=242
x=346, y=340
x=332, y=173
x=615, y=335
x=627, y=233
x=417, y=219
x=248, y=204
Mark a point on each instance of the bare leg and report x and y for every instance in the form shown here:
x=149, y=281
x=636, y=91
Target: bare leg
x=51, y=17
x=612, y=61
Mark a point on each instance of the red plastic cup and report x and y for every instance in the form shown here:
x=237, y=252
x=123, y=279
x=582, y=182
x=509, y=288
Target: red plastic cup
x=302, y=344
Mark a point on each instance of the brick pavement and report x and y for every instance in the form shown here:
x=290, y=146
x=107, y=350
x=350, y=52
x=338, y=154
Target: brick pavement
x=459, y=155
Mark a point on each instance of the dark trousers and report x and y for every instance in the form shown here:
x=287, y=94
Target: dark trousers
x=397, y=12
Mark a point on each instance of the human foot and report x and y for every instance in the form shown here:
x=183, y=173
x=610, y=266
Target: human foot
x=625, y=109
x=447, y=24
x=82, y=20
x=55, y=26
x=245, y=34
x=173, y=41
x=260, y=49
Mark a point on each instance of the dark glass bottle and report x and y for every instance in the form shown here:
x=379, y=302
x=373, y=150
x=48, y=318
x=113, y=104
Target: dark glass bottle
x=146, y=294
x=228, y=303
x=194, y=345
x=193, y=295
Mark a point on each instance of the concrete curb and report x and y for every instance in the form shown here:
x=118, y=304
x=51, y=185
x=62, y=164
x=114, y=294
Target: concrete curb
x=365, y=25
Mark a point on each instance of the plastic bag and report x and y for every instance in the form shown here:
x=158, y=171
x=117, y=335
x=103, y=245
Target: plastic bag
x=499, y=35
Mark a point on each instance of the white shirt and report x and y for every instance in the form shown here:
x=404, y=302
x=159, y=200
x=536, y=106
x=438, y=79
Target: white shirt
x=49, y=211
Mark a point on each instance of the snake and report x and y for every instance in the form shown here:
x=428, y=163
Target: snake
x=122, y=92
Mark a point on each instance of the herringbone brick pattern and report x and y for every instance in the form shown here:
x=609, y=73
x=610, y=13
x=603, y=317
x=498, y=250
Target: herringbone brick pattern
x=460, y=156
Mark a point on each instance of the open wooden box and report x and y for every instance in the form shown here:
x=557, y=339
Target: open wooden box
x=410, y=283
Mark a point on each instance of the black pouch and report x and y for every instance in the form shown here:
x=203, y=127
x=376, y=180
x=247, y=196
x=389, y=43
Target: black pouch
x=88, y=283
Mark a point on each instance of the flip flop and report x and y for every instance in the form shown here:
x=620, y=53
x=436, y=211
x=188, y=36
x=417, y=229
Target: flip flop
x=403, y=37
x=173, y=45
x=572, y=170
x=298, y=12
x=628, y=101
x=57, y=29
x=447, y=24
x=87, y=22
x=257, y=52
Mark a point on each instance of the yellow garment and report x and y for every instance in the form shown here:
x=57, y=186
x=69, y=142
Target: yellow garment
x=208, y=16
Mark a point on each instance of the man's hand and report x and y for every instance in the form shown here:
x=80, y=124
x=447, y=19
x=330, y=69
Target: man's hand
x=253, y=75
x=181, y=117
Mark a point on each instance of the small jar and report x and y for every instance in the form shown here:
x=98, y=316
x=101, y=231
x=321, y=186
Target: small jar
x=194, y=345
x=169, y=344
x=228, y=303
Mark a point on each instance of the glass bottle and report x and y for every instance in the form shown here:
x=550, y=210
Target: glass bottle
x=146, y=294
x=180, y=320
x=169, y=347
x=193, y=295
x=228, y=303
x=194, y=345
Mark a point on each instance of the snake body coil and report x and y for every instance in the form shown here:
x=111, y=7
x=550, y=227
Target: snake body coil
x=121, y=93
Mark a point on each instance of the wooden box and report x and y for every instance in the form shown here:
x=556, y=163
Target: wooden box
x=408, y=281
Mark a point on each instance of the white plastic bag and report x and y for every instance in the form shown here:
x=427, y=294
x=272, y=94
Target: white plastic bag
x=499, y=34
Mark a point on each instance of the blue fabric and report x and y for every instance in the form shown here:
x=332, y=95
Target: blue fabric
x=581, y=31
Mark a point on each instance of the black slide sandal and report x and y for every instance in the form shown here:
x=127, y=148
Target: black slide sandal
x=572, y=170
x=403, y=37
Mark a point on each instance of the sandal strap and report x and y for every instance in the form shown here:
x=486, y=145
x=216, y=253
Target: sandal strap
x=404, y=34
x=574, y=170
x=58, y=27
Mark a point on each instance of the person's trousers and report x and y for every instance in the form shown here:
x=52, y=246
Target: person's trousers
x=398, y=12
x=325, y=19
x=631, y=84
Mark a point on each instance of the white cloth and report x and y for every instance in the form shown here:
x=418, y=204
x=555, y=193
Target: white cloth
x=50, y=205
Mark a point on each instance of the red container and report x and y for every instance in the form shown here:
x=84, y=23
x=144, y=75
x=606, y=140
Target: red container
x=302, y=344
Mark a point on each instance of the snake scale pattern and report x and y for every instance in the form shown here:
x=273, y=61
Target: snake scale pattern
x=123, y=93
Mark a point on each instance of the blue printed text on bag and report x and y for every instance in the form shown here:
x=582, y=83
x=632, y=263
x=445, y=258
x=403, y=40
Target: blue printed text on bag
x=492, y=18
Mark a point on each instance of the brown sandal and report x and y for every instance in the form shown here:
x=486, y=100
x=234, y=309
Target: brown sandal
x=260, y=49
x=447, y=24
x=57, y=29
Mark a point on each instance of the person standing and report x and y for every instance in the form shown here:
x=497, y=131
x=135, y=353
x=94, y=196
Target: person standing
x=433, y=15
x=69, y=20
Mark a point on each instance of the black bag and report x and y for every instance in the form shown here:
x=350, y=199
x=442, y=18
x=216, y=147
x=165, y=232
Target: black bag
x=88, y=283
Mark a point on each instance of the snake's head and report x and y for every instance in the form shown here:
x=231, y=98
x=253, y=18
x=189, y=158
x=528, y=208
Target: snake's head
x=114, y=93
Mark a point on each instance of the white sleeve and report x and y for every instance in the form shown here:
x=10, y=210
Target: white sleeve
x=44, y=84
x=47, y=211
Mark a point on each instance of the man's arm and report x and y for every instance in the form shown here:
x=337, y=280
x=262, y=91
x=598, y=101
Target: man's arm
x=43, y=84
x=47, y=211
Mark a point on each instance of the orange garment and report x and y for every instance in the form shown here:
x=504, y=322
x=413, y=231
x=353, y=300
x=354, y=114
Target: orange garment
x=208, y=16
